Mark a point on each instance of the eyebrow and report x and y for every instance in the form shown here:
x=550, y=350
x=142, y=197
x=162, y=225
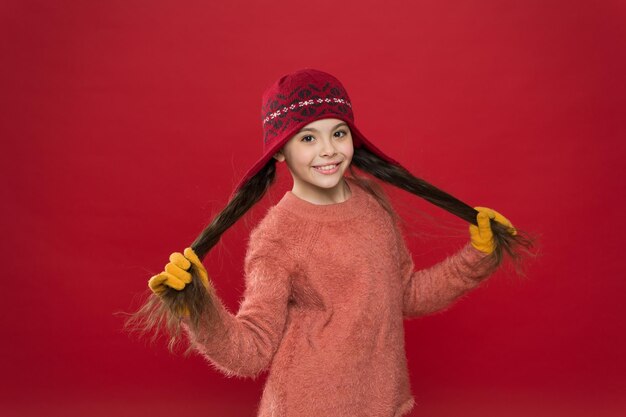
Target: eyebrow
x=315, y=130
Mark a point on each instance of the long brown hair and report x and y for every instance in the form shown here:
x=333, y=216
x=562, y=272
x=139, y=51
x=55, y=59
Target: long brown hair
x=158, y=311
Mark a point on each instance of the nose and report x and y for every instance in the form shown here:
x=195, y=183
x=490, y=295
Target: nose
x=328, y=148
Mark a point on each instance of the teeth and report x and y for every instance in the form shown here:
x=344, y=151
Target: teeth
x=327, y=167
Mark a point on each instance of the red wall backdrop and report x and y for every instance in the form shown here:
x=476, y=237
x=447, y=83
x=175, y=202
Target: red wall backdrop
x=125, y=125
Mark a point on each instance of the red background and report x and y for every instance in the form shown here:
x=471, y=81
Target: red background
x=125, y=125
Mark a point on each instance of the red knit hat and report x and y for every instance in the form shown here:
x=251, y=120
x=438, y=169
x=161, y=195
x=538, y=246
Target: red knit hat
x=294, y=101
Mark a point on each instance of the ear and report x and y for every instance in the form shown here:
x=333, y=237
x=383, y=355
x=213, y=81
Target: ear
x=279, y=156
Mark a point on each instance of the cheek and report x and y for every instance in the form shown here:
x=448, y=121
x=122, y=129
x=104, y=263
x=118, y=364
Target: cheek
x=306, y=157
x=300, y=160
x=348, y=150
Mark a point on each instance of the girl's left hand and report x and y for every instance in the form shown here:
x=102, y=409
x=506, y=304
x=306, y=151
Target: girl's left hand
x=481, y=235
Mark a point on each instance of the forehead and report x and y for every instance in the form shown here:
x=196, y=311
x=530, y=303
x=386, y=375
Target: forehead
x=323, y=123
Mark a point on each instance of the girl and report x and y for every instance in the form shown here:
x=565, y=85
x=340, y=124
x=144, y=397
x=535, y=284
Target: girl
x=328, y=276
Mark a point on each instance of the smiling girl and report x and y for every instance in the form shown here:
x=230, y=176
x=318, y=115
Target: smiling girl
x=317, y=158
x=329, y=278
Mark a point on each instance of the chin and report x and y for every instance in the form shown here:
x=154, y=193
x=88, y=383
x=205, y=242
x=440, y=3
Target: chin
x=328, y=183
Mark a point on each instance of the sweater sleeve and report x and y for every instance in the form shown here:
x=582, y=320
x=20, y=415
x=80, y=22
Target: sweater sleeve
x=438, y=287
x=245, y=343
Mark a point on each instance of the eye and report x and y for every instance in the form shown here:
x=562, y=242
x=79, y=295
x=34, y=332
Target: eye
x=304, y=138
x=341, y=131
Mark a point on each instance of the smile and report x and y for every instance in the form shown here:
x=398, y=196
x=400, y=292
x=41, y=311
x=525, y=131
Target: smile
x=328, y=169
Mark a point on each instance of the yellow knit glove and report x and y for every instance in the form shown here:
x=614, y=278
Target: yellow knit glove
x=481, y=235
x=176, y=274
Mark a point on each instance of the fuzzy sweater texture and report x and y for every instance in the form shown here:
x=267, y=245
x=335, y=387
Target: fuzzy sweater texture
x=327, y=290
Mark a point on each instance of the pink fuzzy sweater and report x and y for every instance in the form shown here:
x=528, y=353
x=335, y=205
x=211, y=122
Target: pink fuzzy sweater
x=327, y=288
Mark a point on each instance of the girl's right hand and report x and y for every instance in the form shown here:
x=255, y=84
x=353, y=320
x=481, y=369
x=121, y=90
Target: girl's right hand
x=176, y=274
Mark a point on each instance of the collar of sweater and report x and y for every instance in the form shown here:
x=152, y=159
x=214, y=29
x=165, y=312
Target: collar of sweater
x=347, y=209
